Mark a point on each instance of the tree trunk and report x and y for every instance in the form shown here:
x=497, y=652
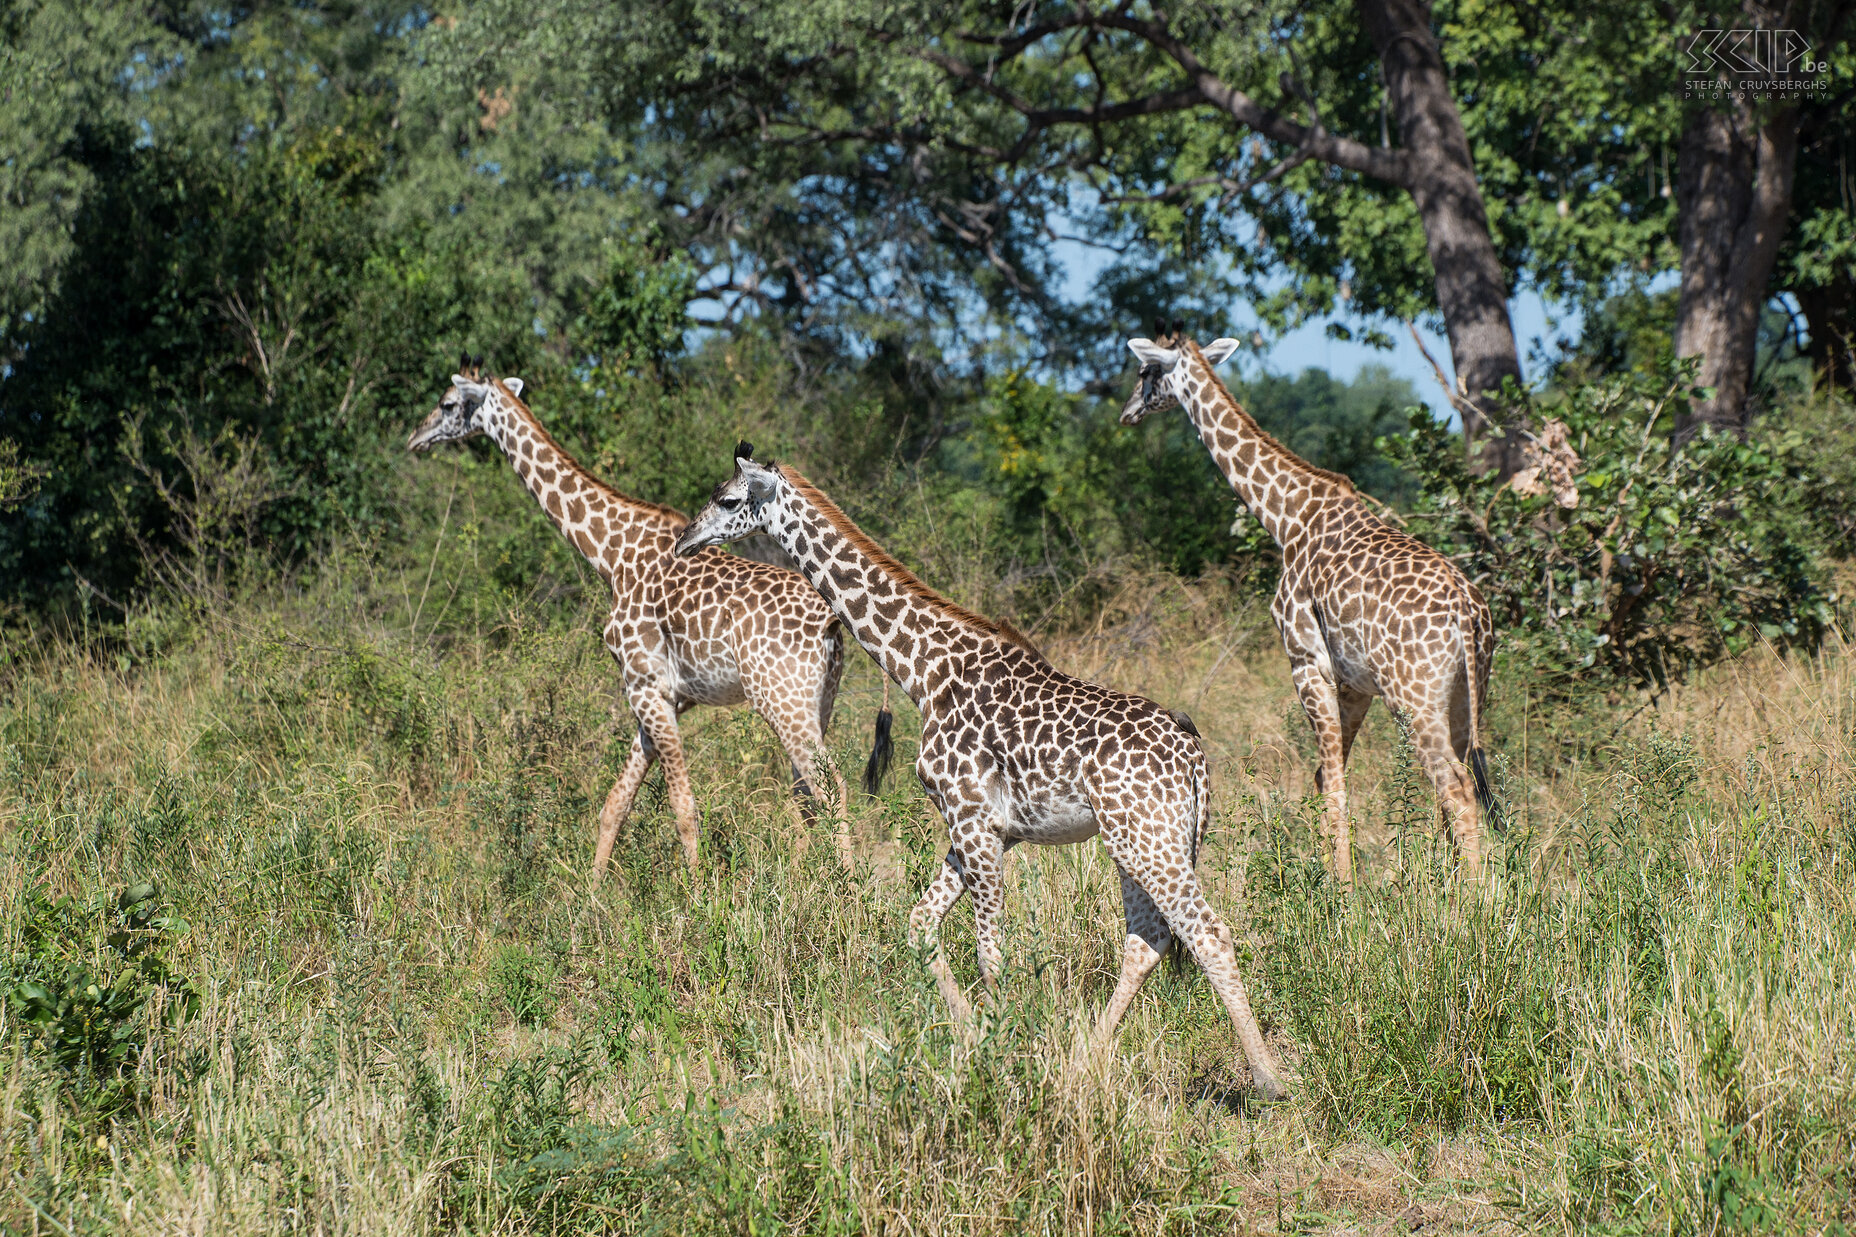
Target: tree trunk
x=1733, y=197
x=1832, y=346
x=1471, y=291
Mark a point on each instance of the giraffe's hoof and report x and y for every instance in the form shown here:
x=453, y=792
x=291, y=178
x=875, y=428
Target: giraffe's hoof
x=1268, y=1088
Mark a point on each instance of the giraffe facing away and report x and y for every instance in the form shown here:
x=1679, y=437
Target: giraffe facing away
x=714, y=629
x=1012, y=750
x=1364, y=609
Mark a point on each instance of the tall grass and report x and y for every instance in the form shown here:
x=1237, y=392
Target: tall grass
x=415, y=1014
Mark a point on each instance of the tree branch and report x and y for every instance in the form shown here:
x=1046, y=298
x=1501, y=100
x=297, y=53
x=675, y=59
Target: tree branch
x=1387, y=165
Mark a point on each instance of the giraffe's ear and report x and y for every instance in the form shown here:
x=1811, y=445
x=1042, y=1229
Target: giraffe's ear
x=515, y=386
x=1150, y=353
x=759, y=478
x=1219, y=351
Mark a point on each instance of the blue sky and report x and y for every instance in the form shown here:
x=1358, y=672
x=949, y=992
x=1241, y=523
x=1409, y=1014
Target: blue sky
x=1309, y=345
x=1536, y=325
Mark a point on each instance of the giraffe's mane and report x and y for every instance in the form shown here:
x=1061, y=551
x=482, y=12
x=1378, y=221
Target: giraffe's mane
x=567, y=460
x=910, y=583
x=1222, y=392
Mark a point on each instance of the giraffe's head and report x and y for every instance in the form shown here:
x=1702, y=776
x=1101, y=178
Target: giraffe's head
x=1162, y=371
x=459, y=414
x=738, y=506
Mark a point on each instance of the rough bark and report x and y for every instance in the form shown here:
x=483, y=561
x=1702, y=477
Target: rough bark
x=1733, y=195
x=1440, y=175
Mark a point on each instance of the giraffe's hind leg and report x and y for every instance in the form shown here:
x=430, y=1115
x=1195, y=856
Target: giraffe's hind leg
x=795, y=689
x=619, y=800
x=1147, y=941
x=1445, y=759
x=1159, y=859
x=657, y=717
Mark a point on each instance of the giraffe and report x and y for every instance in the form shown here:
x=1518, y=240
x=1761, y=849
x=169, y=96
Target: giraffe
x=1012, y=750
x=715, y=629
x=1364, y=610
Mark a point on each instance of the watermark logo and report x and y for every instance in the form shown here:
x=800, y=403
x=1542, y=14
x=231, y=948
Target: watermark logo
x=1751, y=64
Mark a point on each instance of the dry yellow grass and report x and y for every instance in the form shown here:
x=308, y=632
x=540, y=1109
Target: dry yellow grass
x=416, y=1016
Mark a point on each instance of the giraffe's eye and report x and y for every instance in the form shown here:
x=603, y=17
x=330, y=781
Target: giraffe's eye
x=728, y=502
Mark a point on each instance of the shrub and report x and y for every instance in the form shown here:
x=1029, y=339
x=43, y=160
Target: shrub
x=91, y=1004
x=1649, y=559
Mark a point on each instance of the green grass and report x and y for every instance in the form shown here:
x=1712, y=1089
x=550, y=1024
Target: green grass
x=388, y=1000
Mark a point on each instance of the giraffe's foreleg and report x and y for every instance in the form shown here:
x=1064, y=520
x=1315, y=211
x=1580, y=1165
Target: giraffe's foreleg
x=619, y=800
x=1321, y=702
x=657, y=717
x=1147, y=942
x=925, y=933
x=983, y=868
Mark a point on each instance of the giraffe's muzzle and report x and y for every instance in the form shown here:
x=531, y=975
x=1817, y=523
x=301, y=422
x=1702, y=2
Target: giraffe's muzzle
x=423, y=437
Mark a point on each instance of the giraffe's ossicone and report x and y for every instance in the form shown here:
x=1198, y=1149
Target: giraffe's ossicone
x=714, y=629
x=1364, y=609
x=1012, y=750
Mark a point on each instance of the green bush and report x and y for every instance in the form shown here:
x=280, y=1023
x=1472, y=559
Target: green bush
x=1668, y=556
x=91, y=981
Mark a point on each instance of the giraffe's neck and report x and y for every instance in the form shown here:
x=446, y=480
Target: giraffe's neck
x=912, y=631
x=1290, y=497
x=601, y=523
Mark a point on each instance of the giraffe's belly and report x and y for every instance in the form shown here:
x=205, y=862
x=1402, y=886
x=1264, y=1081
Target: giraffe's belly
x=1351, y=667
x=1052, y=820
x=708, y=681
x=1343, y=655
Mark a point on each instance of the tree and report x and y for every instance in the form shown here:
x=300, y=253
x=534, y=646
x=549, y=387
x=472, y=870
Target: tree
x=1739, y=152
x=1817, y=262
x=67, y=74
x=1084, y=81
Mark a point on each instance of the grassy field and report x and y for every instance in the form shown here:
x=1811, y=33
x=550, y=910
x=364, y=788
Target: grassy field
x=371, y=989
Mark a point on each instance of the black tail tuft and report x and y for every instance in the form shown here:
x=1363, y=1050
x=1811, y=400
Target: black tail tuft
x=1485, y=793
x=882, y=751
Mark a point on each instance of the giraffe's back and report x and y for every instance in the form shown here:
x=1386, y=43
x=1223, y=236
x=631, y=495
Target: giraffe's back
x=1049, y=749
x=712, y=605
x=1390, y=608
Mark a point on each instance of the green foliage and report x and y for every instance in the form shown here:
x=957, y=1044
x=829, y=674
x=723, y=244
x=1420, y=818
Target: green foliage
x=524, y=982
x=1334, y=424
x=638, y=315
x=209, y=296
x=1674, y=556
x=68, y=73
x=17, y=481
x=91, y=982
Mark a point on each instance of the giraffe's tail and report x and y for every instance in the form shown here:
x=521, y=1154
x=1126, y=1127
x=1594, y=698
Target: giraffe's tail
x=1473, y=687
x=882, y=750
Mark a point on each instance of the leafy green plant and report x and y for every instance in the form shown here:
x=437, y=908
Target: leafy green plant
x=1649, y=558
x=93, y=980
x=524, y=981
